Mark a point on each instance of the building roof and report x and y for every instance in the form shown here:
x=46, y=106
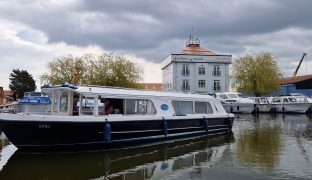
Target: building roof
x=196, y=49
x=194, y=53
x=291, y=80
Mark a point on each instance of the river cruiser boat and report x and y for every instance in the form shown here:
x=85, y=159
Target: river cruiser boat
x=34, y=102
x=290, y=104
x=303, y=98
x=262, y=104
x=138, y=116
x=234, y=103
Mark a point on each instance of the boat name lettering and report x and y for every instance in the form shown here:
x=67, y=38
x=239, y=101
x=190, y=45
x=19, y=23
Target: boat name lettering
x=44, y=126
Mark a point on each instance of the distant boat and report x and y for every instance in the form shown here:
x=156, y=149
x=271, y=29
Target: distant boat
x=137, y=117
x=34, y=103
x=234, y=103
x=290, y=104
x=302, y=97
x=262, y=104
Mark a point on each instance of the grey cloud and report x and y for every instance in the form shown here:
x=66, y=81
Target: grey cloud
x=149, y=28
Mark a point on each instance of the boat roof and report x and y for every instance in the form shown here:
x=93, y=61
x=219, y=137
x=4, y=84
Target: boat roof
x=136, y=92
x=227, y=93
x=97, y=90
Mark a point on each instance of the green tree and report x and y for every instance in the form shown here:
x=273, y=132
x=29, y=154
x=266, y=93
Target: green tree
x=104, y=70
x=21, y=81
x=63, y=69
x=257, y=74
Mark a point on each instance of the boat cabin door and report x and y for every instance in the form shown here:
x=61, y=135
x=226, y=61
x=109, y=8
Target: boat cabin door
x=62, y=102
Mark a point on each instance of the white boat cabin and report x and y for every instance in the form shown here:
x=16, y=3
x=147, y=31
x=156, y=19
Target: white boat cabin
x=228, y=95
x=288, y=99
x=90, y=101
x=260, y=100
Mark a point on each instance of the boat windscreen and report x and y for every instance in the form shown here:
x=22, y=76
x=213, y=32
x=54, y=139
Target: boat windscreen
x=233, y=96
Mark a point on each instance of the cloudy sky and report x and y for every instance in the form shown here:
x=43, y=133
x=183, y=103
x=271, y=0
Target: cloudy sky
x=33, y=33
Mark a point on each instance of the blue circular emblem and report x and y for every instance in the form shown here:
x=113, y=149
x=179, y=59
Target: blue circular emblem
x=164, y=107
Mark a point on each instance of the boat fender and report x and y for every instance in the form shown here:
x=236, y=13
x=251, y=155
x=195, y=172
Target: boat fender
x=107, y=131
x=205, y=122
x=237, y=108
x=230, y=122
x=231, y=109
x=256, y=109
x=165, y=127
x=283, y=109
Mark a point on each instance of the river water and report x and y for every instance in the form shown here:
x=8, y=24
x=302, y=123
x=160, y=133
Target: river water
x=261, y=147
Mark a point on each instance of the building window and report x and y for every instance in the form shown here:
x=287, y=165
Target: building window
x=201, y=83
x=216, y=71
x=185, y=85
x=185, y=70
x=201, y=71
x=216, y=85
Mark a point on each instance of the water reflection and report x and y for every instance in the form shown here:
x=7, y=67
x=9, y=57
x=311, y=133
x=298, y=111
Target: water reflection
x=262, y=146
x=155, y=161
x=278, y=143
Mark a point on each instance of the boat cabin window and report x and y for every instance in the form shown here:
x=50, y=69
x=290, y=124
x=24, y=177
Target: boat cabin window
x=285, y=100
x=231, y=100
x=183, y=107
x=292, y=99
x=301, y=99
x=87, y=105
x=61, y=98
x=110, y=106
x=276, y=100
x=222, y=96
x=64, y=101
x=263, y=100
x=233, y=96
x=30, y=94
x=202, y=107
x=139, y=106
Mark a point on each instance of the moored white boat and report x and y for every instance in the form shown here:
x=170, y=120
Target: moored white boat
x=290, y=104
x=262, y=104
x=303, y=98
x=234, y=103
x=138, y=117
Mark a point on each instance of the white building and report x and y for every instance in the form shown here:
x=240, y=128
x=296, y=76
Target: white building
x=196, y=70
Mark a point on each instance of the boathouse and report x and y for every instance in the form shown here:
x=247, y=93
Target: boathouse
x=298, y=84
x=196, y=70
